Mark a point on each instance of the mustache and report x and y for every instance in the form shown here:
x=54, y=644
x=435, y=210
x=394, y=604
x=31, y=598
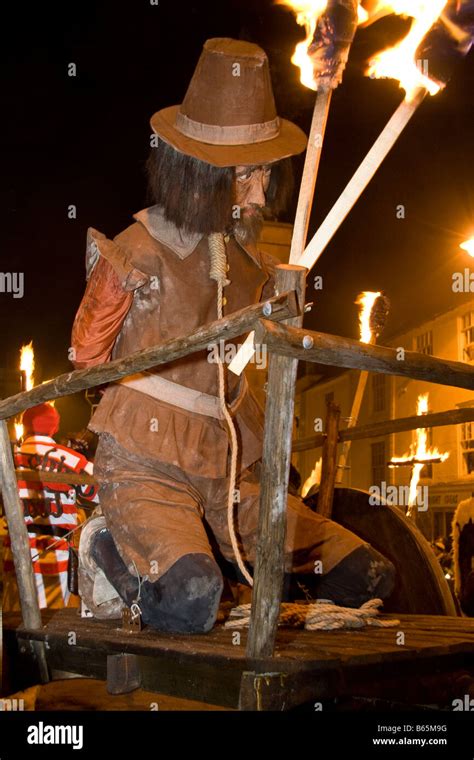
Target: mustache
x=248, y=227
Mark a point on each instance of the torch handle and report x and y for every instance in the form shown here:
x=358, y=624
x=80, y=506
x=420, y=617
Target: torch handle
x=354, y=416
x=374, y=158
x=310, y=172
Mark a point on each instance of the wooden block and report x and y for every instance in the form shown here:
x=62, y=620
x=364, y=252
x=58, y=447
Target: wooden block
x=123, y=673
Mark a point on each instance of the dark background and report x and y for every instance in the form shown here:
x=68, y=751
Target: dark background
x=83, y=140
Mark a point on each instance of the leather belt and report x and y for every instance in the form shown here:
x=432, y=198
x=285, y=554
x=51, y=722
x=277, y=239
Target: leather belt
x=179, y=395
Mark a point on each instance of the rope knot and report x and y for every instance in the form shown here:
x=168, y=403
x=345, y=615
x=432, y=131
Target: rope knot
x=218, y=259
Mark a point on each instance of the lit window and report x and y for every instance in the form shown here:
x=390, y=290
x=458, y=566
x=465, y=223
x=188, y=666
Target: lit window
x=467, y=334
x=467, y=446
x=379, y=462
x=424, y=343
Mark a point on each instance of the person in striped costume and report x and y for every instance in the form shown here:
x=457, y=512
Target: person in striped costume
x=52, y=510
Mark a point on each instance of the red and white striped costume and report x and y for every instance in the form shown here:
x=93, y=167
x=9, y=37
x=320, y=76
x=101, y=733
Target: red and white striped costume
x=53, y=505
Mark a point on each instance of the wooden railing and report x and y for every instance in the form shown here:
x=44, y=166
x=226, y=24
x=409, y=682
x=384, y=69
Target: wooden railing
x=287, y=343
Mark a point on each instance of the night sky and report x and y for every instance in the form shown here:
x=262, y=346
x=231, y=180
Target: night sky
x=83, y=140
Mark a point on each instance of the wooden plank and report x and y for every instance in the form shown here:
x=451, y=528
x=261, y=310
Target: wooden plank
x=309, y=442
x=231, y=326
x=335, y=351
x=388, y=427
x=269, y=563
x=196, y=677
x=295, y=648
x=377, y=676
x=44, y=476
x=308, y=666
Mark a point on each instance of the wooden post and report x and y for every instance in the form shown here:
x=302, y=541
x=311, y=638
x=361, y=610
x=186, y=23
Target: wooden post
x=269, y=564
x=310, y=173
x=328, y=464
x=20, y=547
x=353, y=418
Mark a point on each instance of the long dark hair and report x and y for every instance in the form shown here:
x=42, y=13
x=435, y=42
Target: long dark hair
x=198, y=197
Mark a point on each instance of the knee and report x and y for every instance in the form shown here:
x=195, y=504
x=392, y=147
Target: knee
x=186, y=598
x=362, y=575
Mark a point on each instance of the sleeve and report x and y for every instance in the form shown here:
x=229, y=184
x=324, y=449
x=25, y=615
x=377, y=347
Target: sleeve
x=106, y=302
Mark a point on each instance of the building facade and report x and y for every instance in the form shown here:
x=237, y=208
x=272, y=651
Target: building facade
x=448, y=336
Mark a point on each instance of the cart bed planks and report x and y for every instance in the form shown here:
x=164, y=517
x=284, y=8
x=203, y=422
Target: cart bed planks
x=432, y=666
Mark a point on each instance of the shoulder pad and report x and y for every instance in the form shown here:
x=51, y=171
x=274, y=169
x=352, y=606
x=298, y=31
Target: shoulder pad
x=98, y=245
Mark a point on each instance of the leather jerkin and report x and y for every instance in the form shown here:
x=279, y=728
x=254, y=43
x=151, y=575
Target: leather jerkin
x=141, y=293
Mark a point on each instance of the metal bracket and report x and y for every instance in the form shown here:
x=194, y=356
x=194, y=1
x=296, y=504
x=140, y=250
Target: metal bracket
x=131, y=619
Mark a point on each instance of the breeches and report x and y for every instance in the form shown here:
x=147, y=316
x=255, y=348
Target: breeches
x=157, y=514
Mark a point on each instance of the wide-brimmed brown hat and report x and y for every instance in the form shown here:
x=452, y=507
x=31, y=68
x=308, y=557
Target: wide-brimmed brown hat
x=228, y=116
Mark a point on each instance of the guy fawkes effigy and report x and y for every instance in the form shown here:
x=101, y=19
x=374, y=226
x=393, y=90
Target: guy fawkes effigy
x=164, y=460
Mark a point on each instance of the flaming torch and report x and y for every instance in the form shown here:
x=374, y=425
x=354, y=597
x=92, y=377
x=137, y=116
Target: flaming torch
x=468, y=246
x=400, y=62
x=372, y=316
x=27, y=368
x=419, y=456
x=330, y=27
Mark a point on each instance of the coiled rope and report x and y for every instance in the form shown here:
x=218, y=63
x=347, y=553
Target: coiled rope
x=218, y=272
x=322, y=615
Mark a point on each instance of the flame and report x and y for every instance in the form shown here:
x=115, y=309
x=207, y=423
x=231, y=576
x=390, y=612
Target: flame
x=366, y=301
x=468, y=246
x=399, y=62
x=27, y=364
x=362, y=14
x=419, y=451
x=313, y=480
x=307, y=14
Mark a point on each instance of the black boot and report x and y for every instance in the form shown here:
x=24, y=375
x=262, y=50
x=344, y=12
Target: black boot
x=186, y=598
x=105, y=554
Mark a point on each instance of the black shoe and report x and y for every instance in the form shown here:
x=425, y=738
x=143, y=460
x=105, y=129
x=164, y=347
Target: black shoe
x=105, y=554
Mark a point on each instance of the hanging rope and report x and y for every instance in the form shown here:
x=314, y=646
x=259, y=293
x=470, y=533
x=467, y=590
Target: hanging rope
x=218, y=272
x=322, y=615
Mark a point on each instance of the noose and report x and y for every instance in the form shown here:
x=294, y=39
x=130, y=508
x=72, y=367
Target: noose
x=218, y=272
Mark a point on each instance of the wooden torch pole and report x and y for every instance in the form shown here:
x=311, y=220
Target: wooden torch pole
x=354, y=416
x=380, y=149
x=310, y=172
x=20, y=548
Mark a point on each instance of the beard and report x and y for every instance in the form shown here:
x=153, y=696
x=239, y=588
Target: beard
x=248, y=227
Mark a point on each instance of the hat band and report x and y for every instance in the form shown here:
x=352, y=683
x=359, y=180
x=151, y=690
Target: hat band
x=244, y=134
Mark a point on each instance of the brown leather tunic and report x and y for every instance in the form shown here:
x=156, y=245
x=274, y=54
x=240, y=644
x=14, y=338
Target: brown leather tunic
x=158, y=481
x=142, y=293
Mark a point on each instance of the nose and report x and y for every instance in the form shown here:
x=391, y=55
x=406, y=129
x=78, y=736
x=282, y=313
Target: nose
x=256, y=191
